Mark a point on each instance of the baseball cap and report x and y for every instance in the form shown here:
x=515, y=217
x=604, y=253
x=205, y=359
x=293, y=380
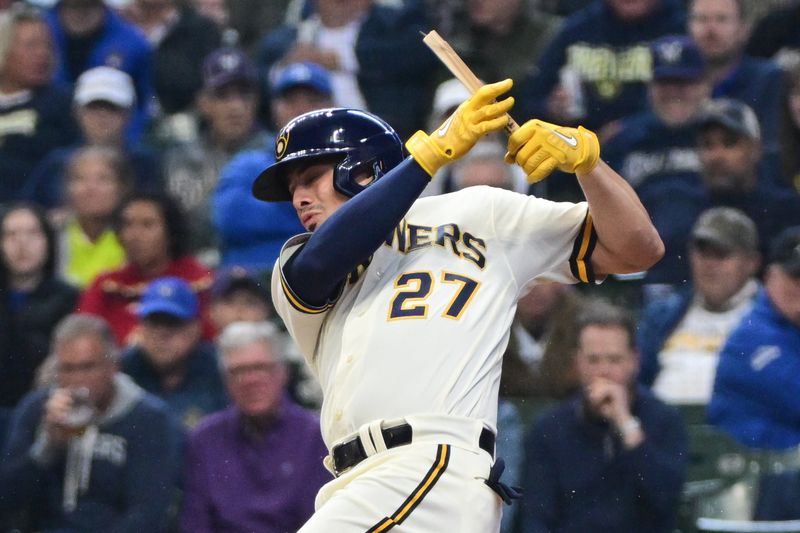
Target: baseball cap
x=171, y=296
x=105, y=84
x=785, y=251
x=726, y=228
x=449, y=94
x=676, y=57
x=237, y=278
x=305, y=74
x=732, y=115
x=228, y=65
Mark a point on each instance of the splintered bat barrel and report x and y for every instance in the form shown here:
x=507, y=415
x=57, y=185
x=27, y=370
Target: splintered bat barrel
x=458, y=68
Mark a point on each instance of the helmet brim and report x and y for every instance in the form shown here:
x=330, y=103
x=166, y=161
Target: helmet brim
x=270, y=185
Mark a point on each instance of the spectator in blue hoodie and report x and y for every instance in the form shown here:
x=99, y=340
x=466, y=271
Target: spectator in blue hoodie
x=95, y=453
x=757, y=386
x=252, y=232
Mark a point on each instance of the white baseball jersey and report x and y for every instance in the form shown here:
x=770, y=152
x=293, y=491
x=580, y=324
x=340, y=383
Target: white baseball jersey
x=422, y=329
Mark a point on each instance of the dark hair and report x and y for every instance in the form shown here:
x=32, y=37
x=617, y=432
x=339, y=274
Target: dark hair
x=49, y=268
x=177, y=229
x=597, y=312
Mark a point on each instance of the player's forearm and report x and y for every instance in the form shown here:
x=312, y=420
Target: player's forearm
x=354, y=232
x=627, y=239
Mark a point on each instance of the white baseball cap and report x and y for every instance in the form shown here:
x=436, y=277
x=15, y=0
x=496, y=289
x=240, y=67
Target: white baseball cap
x=449, y=94
x=105, y=84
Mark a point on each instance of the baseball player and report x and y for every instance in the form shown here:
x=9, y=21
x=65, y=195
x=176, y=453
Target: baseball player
x=402, y=306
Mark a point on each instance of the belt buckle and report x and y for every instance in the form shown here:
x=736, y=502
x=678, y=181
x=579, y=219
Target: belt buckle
x=336, y=471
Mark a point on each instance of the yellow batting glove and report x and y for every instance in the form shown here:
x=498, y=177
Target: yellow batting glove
x=476, y=117
x=540, y=147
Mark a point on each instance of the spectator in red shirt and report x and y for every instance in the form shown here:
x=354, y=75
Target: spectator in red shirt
x=153, y=231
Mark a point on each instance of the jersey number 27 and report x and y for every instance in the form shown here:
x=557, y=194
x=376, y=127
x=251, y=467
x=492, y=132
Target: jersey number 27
x=414, y=288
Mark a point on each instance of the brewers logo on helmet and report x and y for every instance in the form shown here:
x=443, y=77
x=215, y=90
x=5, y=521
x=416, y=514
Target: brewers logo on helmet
x=357, y=140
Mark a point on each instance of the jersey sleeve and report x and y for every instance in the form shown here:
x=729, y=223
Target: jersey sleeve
x=303, y=321
x=544, y=240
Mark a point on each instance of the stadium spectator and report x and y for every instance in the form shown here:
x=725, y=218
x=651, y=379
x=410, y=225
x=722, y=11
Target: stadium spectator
x=180, y=39
x=776, y=32
x=228, y=104
x=238, y=296
x=257, y=465
x=719, y=27
x=679, y=337
x=730, y=151
x=756, y=387
x=790, y=124
x=373, y=51
x=95, y=452
x=98, y=178
x=170, y=360
x=102, y=105
x=611, y=458
x=245, y=240
x=32, y=117
x=32, y=298
x=89, y=34
x=595, y=69
x=659, y=143
x=657, y=148
x=152, y=230
x=502, y=38
x=539, y=358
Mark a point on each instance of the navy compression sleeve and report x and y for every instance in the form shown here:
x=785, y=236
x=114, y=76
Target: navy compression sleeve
x=353, y=233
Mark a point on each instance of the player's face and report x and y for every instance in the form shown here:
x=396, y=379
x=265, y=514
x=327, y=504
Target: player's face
x=719, y=274
x=313, y=195
x=255, y=378
x=717, y=28
x=604, y=352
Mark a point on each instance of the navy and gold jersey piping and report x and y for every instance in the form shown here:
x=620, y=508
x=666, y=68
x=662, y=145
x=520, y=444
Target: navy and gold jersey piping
x=580, y=260
x=415, y=498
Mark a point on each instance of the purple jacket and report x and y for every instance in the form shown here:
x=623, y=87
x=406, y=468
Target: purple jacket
x=238, y=480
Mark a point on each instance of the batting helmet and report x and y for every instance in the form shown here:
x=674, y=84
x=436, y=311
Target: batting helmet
x=362, y=141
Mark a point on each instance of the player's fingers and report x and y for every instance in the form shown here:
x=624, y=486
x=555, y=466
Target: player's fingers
x=491, y=91
x=495, y=109
x=521, y=137
x=488, y=126
x=543, y=170
x=527, y=150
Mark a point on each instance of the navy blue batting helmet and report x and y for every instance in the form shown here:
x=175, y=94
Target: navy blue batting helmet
x=362, y=141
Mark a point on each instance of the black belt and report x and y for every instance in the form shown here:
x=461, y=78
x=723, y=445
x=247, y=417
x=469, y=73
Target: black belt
x=350, y=453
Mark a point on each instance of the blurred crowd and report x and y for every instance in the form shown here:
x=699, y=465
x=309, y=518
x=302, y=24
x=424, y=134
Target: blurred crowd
x=146, y=383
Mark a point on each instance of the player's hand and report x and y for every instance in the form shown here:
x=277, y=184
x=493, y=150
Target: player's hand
x=474, y=118
x=540, y=147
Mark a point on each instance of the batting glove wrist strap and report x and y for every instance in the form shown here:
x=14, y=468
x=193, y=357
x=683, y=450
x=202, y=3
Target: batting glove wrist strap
x=426, y=152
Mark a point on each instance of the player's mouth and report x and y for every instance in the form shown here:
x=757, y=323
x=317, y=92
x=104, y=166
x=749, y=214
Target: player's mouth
x=307, y=220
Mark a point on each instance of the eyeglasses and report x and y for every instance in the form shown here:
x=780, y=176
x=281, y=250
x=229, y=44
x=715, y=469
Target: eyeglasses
x=240, y=371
